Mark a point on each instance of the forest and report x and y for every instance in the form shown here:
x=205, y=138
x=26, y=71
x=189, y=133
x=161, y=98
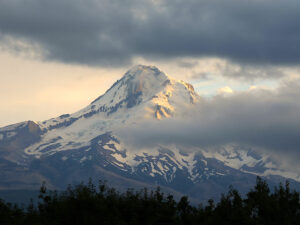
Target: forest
x=89, y=204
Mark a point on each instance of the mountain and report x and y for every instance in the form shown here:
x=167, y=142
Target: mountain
x=74, y=147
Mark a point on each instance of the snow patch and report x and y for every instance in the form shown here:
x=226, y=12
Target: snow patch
x=10, y=134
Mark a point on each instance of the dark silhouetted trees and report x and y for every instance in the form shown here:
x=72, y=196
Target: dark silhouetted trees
x=87, y=204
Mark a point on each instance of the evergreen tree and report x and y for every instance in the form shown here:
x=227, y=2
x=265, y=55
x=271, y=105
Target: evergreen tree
x=88, y=204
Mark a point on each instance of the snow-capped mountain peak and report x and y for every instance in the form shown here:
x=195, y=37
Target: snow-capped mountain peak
x=91, y=142
x=138, y=85
x=143, y=92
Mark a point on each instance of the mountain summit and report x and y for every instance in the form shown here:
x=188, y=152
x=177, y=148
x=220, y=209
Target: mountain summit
x=142, y=85
x=88, y=143
x=144, y=81
x=143, y=92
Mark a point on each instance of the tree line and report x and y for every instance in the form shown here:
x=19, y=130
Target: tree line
x=89, y=204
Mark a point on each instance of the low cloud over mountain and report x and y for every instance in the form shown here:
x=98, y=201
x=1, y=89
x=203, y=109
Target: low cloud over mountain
x=265, y=120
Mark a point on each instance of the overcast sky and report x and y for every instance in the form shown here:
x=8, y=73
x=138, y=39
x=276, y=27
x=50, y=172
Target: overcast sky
x=113, y=32
x=242, y=56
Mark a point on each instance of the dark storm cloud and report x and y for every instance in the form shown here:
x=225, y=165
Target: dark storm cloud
x=187, y=63
x=260, y=119
x=112, y=32
x=249, y=72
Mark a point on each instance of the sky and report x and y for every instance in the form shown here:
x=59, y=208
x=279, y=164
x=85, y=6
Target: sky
x=242, y=56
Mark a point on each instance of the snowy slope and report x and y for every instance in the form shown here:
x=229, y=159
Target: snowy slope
x=144, y=93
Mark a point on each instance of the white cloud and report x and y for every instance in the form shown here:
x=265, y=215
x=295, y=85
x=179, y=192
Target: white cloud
x=225, y=90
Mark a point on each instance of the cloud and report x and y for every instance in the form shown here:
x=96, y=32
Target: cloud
x=249, y=72
x=187, y=63
x=260, y=119
x=225, y=90
x=114, y=32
